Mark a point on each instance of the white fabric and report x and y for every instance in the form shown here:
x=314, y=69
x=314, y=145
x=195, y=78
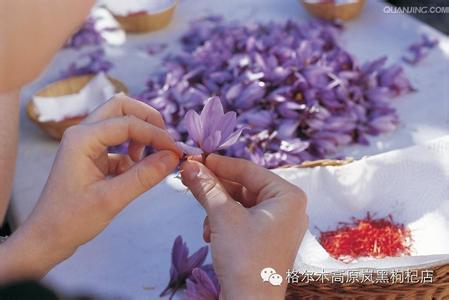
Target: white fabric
x=95, y=93
x=411, y=184
x=103, y=24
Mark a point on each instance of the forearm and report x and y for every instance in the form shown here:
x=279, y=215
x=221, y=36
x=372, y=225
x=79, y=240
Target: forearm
x=25, y=24
x=9, y=132
x=29, y=253
x=251, y=287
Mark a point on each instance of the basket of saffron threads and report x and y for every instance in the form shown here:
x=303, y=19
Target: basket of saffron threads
x=367, y=237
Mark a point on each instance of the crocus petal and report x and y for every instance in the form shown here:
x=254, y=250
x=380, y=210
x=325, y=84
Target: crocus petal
x=227, y=124
x=197, y=258
x=232, y=139
x=250, y=94
x=201, y=287
x=194, y=126
x=179, y=253
x=211, y=142
x=287, y=128
x=211, y=111
x=257, y=118
x=234, y=91
x=189, y=150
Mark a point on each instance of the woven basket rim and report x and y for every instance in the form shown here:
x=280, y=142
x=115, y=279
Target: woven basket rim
x=151, y=14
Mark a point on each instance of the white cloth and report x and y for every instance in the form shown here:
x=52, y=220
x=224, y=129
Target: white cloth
x=96, y=92
x=108, y=27
x=411, y=184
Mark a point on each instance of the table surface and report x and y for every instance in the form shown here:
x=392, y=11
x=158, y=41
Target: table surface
x=130, y=259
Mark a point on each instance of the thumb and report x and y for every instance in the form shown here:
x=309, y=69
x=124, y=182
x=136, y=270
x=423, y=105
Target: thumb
x=206, y=188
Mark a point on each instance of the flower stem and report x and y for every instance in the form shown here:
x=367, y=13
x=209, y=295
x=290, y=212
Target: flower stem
x=204, y=157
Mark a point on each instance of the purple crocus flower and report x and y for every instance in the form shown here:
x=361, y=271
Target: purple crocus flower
x=86, y=35
x=211, y=131
x=416, y=52
x=200, y=286
x=153, y=48
x=182, y=265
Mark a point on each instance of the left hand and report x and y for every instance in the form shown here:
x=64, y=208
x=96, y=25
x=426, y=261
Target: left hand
x=88, y=187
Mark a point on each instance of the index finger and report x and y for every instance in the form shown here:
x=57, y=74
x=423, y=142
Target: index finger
x=255, y=178
x=97, y=137
x=122, y=105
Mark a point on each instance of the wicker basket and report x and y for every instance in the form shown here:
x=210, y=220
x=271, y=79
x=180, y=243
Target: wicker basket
x=59, y=88
x=333, y=11
x=307, y=289
x=438, y=289
x=144, y=22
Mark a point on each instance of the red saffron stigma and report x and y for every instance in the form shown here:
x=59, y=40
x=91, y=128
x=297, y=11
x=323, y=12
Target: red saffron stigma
x=367, y=237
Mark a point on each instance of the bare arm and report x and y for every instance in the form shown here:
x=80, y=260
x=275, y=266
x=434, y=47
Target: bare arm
x=9, y=127
x=30, y=34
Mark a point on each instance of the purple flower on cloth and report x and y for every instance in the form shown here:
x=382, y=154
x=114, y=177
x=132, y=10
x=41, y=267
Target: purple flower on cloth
x=182, y=265
x=153, y=48
x=86, y=35
x=212, y=130
x=200, y=286
x=416, y=52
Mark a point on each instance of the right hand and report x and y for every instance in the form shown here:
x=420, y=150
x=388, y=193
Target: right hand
x=255, y=219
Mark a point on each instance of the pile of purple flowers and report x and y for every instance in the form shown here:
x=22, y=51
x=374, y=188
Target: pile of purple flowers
x=86, y=35
x=88, y=63
x=299, y=94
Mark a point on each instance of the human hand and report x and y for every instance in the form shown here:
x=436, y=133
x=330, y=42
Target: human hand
x=87, y=186
x=40, y=25
x=255, y=219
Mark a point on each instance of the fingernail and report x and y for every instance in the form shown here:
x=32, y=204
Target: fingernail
x=190, y=171
x=142, y=153
x=180, y=151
